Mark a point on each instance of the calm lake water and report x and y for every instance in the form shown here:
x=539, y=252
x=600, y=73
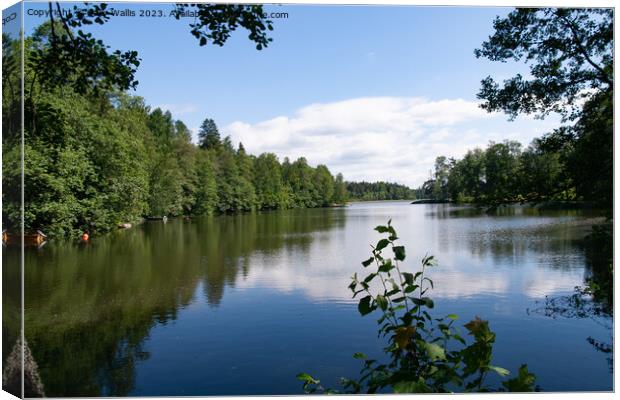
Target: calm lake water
x=241, y=304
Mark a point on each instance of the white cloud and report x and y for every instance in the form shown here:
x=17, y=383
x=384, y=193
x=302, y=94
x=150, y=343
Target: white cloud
x=382, y=138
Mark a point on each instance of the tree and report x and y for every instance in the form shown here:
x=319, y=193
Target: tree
x=268, y=182
x=300, y=177
x=209, y=135
x=340, y=190
x=591, y=163
x=185, y=154
x=440, y=182
x=500, y=166
x=182, y=131
x=215, y=22
x=324, y=185
x=235, y=191
x=206, y=186
x=540, y=173
x=246, y=194
x=96, y=156
x=379, y=191
x=571, y=56
x=161, y=125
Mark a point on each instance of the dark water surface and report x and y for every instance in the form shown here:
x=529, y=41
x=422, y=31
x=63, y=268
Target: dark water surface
x=241, y=304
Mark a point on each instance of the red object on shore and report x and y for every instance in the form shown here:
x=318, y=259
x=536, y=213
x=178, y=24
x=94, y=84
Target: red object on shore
x=85, y=237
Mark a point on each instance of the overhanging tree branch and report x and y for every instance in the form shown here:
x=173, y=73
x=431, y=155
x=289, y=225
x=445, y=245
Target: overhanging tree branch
x=603, y=76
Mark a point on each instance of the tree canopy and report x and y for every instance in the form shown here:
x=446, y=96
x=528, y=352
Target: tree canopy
x=209, y=135
x=96, y=157
x=570, y=53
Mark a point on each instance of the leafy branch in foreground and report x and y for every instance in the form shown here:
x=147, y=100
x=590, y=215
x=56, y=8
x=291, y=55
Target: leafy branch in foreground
x=425, y=354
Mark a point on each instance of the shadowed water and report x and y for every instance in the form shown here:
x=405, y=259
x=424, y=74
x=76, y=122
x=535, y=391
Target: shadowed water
x=241, y=304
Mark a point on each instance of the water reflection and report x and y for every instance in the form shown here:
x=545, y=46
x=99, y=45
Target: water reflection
x=91, y=309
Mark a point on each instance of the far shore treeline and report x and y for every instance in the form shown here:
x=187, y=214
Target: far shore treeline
x=571, y=163
x=96, y=156
x=560, y=166
x=94, y=163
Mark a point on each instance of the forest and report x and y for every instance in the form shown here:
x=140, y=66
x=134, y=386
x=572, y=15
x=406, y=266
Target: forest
x=572, y=163
x=570, y=57
x=92, y=163
x=96, y=156
x=370, y=191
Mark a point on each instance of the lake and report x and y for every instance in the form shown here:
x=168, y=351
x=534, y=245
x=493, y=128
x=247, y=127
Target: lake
x=235, y=305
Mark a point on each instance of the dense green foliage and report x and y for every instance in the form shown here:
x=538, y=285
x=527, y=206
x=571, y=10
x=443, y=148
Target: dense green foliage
x=425, y=354
x=570, y=54
x=98, y=158
x=379, y=191
x=501, y=173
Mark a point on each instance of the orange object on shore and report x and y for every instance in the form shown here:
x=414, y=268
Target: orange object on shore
x=85, y=237
x=37, y=238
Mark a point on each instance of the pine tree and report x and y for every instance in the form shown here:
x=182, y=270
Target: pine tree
x=209, y=135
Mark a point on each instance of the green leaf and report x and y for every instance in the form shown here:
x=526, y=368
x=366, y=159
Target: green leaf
x=429, y=281
x=403, y=336
x=411, y=288
x=522, y=383
x=435, y=352
x=408, y=278
x=480, y=330
x=452, y=316
x=416, y=301
x=417, y=386
x=382, y=244
x=370, y=277
x=360, y=356
x=399, y=252
x=382, y=302
x=306, y=378
x=382, y=229
x=387, y=266
x=499, y=370
x=429, y=261
x=407, y=318
x=364, y=305
x=426, y=301
x=368, y=262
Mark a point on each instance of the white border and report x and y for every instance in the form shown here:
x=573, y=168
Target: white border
x=474, y=3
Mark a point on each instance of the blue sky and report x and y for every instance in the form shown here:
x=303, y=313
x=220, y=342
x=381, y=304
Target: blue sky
x=348, y=86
